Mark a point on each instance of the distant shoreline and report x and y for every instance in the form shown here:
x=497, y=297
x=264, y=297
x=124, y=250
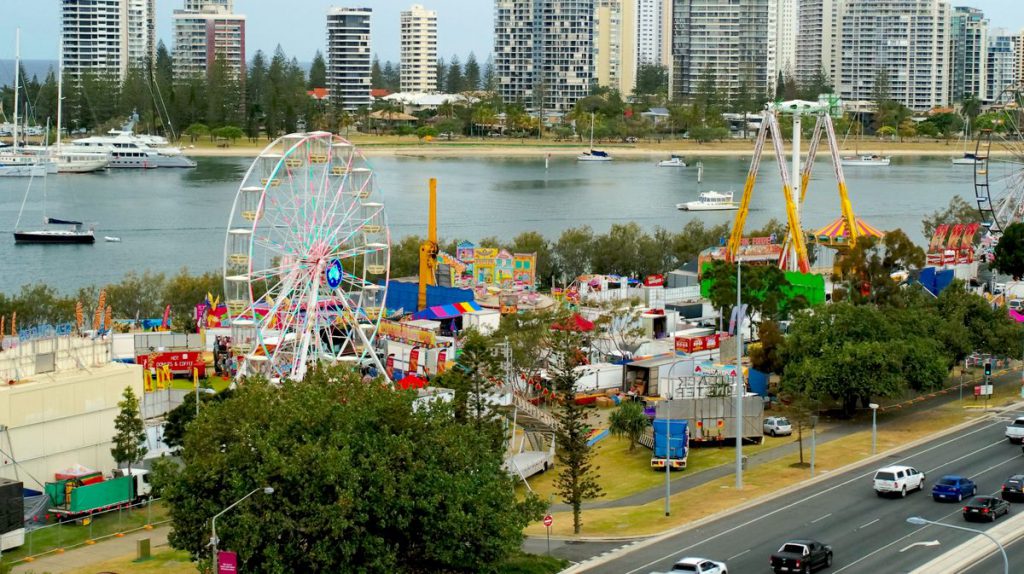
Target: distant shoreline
x=658, y=151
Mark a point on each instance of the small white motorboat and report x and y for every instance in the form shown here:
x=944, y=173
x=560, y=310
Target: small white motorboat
x=865, y=160
x=968, y=159
x=710, y=201
x=110, y=239
x=675, y=161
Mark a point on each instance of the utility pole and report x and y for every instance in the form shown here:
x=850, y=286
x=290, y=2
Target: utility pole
x=739, y=379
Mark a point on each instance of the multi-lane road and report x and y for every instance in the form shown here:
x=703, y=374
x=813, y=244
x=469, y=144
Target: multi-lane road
x=868, y=534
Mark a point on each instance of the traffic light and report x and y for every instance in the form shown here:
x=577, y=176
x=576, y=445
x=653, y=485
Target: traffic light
x=988, y=370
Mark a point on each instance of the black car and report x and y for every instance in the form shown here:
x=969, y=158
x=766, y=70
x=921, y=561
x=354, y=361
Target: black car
x=1013, y=488
x=985, y=508
x=802, y=556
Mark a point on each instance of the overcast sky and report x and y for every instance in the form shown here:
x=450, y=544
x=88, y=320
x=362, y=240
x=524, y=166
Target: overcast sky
x=299, y=26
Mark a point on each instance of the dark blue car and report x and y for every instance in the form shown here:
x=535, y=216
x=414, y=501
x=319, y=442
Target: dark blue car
x=953, y=487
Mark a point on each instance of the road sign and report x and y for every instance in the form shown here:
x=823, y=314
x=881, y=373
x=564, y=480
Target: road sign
x=548, y=521
x=227, y=562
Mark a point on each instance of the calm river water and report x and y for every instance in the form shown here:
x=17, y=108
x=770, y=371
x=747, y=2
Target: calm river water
x=168, y=219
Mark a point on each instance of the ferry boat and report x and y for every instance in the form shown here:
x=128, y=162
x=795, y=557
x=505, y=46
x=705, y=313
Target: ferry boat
x=865, y=160
x=710, y=201
x=674, y=161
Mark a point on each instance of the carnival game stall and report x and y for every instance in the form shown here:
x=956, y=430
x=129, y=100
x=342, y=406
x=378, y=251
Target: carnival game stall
x=415, y=348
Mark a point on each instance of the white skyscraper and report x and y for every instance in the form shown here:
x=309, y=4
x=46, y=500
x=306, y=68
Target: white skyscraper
x=908, y=39
x=348, y=57
x=107, y=36
x=1002, y=62
x=728, y=38
x=969, y=54
x=785, y=36
x=204, y=31
x=419, y=50
x=543, y=51
x=650, y=30
x=815, y=40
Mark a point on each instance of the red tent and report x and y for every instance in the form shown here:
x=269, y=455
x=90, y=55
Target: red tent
x=411, y=382
x=575, y=323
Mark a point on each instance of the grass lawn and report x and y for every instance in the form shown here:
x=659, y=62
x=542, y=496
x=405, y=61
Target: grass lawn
x=623, y=473
x=70, y=534
x=719, y=494
x=531, y=564
x=163, y=562
x=216, y=383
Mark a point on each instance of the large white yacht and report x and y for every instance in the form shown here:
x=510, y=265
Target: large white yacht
x=128, y=150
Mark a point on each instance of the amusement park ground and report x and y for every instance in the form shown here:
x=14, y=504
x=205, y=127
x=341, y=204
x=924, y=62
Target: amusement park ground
x=486, y=147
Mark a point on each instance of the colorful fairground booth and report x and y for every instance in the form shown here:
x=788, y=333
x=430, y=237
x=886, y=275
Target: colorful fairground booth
x=415, y=347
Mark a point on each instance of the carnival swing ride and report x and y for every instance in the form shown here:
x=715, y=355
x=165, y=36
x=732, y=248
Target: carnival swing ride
x=306, y=258
x=839, y=235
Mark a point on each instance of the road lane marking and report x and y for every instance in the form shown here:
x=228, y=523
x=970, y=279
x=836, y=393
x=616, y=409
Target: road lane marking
x=868, y=524
x=916, y=544
x=728, y=531
x=738, y=555
x=995, y=466
x=820, y=519
x=948, y=462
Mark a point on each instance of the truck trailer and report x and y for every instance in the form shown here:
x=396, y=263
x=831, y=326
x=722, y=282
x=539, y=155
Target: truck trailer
x=712, y=420
x=75, y=496
x=671, y=443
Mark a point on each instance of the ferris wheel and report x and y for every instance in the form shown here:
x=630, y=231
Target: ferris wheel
x=306, y=258
x=999, y=164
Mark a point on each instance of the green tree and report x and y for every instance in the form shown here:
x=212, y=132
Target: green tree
x=766, y=354
x=577, y=480
x=231, y=133
x=629, y=421
x=471, y=74
x=196, y=131
x=1009, y=252
x=490, y=79
x=376, y=75
x=572, y=253
x=957, y=211
x=318, y=72
x=907, y=130
x=426, y=131
x=182, y=415
x=129, y=431
x=358, y=475
x=533, y=242
x=651, y=80
x=453, y=80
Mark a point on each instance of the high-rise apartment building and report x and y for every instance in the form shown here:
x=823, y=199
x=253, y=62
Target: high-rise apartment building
x=968, y=54
x=107, y=36
x=785, y=37
x=419, y=50
x=1002, y=63
x=907, y=39
x=615, y=44
x=728, y=39
x=204, y=31
x=543, y=51
x=650, y=31
x=348, y=57
x=816, y=40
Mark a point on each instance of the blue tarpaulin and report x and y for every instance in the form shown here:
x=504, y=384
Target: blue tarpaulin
x=440, y=312
x=402, y=295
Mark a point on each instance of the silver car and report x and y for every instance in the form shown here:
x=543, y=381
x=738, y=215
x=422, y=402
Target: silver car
x=777, y=426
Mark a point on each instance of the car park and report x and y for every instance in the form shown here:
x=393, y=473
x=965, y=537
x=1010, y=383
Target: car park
x=803, y=556
x=897, y=479
x=1013, y=488
x=985, y=508
x=777, y=426
x=954, y=487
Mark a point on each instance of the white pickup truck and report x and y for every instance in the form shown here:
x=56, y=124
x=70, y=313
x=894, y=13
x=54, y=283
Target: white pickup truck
x=1015, y=430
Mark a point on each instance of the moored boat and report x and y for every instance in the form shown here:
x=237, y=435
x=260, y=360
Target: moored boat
x=877, y=160
x=77, y=234
x=674, y=161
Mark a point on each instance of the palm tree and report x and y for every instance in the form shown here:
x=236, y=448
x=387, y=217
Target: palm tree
x=629, y=421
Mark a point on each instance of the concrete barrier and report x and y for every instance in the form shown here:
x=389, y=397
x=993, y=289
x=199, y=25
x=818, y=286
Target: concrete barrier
x=975, y=549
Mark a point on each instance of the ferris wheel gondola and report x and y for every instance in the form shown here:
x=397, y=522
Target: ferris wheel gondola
x=999, y=164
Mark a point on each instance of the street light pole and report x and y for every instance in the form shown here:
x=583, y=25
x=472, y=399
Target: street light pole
x=874, y=427
x=213, y=523
x=739, y=379
x=918, y=521
x=814, y=432
x=668, y=453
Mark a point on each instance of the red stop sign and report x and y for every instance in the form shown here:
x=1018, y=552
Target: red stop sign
x=548, y=521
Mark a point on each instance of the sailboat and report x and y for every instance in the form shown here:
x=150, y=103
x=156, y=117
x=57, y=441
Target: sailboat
x=968, y=157
x=13, y=163
x=593, y=154
x=70, y=232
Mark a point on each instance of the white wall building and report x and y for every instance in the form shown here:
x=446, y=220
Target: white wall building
x=907, y=38
x=543, y=51
x=204, y=31
x=785, y=37
x=348, y=57
x=729, y=38
x=650, y=31
x=419, y=50
x=1002, y=62
x=969, y=54
x=615, y=44
x=107, y=36
x=815, y=40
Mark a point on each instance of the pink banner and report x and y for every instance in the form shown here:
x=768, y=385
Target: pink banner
x=227, y=562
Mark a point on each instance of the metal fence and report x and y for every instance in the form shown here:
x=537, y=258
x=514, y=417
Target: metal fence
x=47, y=532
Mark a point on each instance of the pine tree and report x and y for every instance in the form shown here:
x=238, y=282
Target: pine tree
x=490, y=79
x=130, y=431
x=318, y=72
x=577, y=479
x=453, y=81
x=376, y=76
x=442, y=74
x=471, y=74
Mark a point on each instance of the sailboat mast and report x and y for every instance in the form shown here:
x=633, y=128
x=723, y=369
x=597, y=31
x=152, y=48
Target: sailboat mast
x=60, y=86
x=591, y=131
x=17, y=82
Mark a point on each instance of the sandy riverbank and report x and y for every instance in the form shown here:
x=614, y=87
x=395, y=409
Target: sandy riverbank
x=633, y=151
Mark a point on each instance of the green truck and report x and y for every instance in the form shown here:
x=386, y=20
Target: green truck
x=72, y=498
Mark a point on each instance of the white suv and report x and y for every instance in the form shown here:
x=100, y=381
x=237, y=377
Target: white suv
x=898, y=479
x=777, y=426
